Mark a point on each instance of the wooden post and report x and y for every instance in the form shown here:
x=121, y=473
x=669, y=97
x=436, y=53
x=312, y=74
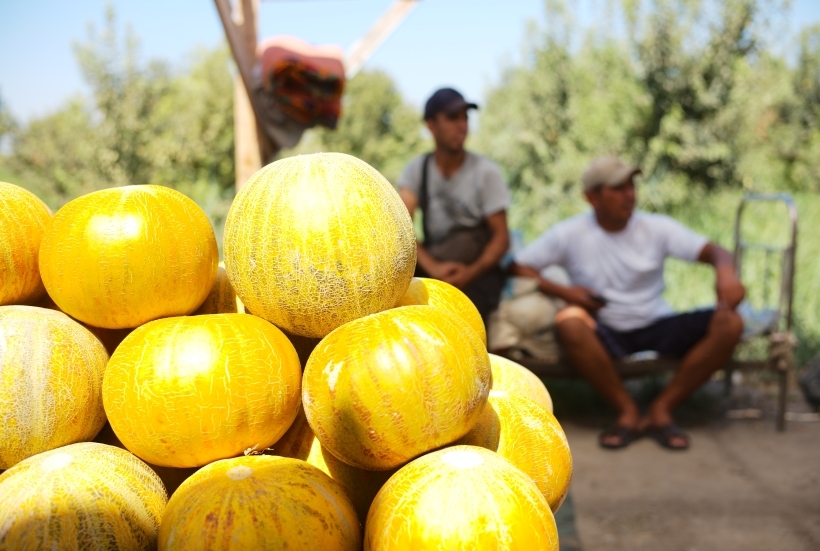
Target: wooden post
x=252, y=148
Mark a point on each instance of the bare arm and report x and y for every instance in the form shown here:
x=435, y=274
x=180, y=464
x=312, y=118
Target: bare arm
x=577, y=295
x=730, y=291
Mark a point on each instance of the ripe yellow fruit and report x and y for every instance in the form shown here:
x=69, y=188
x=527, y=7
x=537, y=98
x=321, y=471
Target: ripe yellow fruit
x=460, y=498
x=182, y=392
x=222, y=299
x=82, y=496
x=51, y=373
x=23, y=220
x=520, y=381
x=382, y=389
x=440, y=294
x=531, y=438
x=259, y=502
x=121, y=257
x=360, y=486
x=315, y=241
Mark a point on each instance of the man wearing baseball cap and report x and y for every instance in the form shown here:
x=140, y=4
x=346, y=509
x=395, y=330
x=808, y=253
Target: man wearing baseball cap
x=614, y=256
x=463, y=199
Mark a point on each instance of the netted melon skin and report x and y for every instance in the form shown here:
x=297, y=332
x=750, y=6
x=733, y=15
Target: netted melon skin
x=51, y=373
x=84, y=496
x=529, y=437
x=432, y=292
x=23, y=221
x=516, y=379
x=314, y=241
x=460, y=498
x=188, y=390
x=118, y=258
x=388, y=387
x=259, y=502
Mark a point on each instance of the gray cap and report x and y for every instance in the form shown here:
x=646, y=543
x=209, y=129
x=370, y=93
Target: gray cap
x=607, y=171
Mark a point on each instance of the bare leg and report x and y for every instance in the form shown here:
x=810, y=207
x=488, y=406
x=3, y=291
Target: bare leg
x=576, y=331
x=707, y=356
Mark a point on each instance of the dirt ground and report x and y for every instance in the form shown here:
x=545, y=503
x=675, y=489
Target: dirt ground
x=741, y=486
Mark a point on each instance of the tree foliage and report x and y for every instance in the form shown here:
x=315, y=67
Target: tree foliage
x=144, y=124
x=690, y=92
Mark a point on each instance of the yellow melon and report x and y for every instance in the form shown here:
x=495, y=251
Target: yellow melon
x=51, y=373
x=23, y=220
x=360, y=485
x=530, y=437
x=385, y=388
x=171, y=477
x=315, y=241
x=222, y=299
x=85, y=496
x=440, y=294
x=517, y=379
x=121, y=257
x=185, y=391
x=460, y=498
x=259, y=502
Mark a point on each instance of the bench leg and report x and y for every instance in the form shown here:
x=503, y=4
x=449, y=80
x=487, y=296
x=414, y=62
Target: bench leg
x=782, y=395
x=727, y=382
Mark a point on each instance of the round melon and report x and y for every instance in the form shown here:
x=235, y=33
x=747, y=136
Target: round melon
x=516, y=379
x=23, y=221
x=51, y=373
x=531, y=438
x=360, y=485
x=185, y=391
x=460, y=498
x=121, y=257
x=260, y=502
x=222, y=299
x=85, y=496
x=382, y=389
x=440, y=294
x=315, y=241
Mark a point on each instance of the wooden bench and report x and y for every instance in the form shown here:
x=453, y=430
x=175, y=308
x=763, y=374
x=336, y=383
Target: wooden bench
x=772, y=327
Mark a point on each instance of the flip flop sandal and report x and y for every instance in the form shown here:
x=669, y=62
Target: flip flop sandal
x=625, y=436
x=665, y=434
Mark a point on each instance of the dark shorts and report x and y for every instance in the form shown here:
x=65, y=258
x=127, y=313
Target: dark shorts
x=673, y=336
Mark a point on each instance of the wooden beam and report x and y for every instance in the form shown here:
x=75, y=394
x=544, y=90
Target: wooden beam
x=252, y=148
x=361, y=50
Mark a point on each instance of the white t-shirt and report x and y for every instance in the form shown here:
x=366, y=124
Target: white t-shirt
x=624, y=267
x=473, y=193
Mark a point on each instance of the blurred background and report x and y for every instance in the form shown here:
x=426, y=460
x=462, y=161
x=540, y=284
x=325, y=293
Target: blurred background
x=713, y=99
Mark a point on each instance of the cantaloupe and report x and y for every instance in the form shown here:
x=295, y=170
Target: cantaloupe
x=185, y=391
x=222, y=299
x=260, y=502
x=23, y=220
x=440, y=294
x=360, y=486
x=385, y=388
x=520, y=381
x=460, y=498
x=84, y=496
x=51, y=373
x=531, y=438
x=315, y=241
x=118, y=258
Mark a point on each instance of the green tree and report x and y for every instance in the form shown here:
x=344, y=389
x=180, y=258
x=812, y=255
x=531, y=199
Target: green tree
x=376, y=125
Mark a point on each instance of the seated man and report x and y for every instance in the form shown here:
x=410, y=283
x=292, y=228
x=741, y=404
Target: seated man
x=614, y=257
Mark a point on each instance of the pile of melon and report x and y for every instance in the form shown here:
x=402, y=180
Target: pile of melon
x=309, y=394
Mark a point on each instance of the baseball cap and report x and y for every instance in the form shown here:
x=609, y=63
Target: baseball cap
x=446, y=100
x=607, y=171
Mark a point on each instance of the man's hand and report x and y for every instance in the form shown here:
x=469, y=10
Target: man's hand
x=444, y=270
x=729, y=289
x=581, y=296
x=461, y=277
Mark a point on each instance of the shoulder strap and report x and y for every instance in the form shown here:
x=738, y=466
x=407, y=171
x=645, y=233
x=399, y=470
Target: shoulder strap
x=423, y=197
